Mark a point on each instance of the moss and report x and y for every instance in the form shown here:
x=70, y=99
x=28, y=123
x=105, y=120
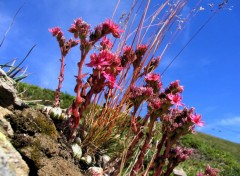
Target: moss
x=46, y=126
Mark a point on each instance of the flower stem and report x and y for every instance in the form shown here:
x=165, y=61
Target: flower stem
x=60, y=81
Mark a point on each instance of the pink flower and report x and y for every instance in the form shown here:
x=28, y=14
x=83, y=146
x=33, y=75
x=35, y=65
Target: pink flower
x=79, y=28
x=141, y=50
x=175, y=99
x=110, y=27
x=56, y=31
x=196, y=119
x=128, y=50
x=176, y=87
x=155, y=103
x=152, y=77
x=111, y=80
x=148, y=91
x=106, y=43
x=98, y=60
x=73, y=29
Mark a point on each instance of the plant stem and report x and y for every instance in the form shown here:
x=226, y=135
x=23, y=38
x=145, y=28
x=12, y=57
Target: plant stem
x=60, y=81
x=145, y=146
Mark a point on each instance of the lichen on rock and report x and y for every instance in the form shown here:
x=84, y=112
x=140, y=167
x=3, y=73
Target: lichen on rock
x=11, y=162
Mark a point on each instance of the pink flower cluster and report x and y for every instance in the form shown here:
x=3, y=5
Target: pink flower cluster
x=153, y=80
x=107, y=27
x=106, y=65
x=179, y=154
x=65, y=46
x=110, y=27
x=179, y=122
x=140, y=51
x=128, y=56
x=139, y=94
x=80, y=29
x=106, y=44
x=209, y=171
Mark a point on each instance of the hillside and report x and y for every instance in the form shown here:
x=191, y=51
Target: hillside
x=216, y=152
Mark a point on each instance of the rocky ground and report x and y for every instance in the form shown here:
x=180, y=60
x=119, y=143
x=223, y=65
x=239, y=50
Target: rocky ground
x=30, y=143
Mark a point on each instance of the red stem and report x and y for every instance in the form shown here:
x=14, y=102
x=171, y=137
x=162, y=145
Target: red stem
x=138, y=136
x=75, y=106
x=162, y=158
x=145, y=146
x=60, y=81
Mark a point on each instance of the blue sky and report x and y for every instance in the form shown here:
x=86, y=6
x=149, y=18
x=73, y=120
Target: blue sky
x=209, y=68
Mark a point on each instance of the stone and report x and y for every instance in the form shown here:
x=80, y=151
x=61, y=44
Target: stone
x=179, y=172
x=95, y=171
x=2, y=72
x=57, y=166
x=11, y=162
x=8, y=94
x=5, y=126
x=77, y=151
x=105, y=160
x=87, y=159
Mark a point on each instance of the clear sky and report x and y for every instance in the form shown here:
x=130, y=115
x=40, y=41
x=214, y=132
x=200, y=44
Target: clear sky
x=209, y=68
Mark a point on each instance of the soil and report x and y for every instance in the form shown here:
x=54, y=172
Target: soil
x=42, y=147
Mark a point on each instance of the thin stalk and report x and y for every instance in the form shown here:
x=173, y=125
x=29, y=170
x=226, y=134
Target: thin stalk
x=60, y=81
x=144, y=149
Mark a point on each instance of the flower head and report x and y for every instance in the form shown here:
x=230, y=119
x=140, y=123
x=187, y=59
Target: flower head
x=97, y=60
x=106, y=43
x=111, y=81
x=56, y=31
x=175, y=99
x=152, y=77
x=128, y=55
x=196, y=119
x=110, y=27
x=155, y=103
x=141, y=50
x=79, y=28
x=175, y=87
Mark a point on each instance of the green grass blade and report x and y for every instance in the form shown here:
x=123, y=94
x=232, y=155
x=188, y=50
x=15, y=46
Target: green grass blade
x=15, y=68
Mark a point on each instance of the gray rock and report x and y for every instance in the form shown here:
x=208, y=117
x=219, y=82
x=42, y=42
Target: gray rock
x=179, y=172
x=2, y=72
x=5, y=126
x=11, y=162
x=8, y=93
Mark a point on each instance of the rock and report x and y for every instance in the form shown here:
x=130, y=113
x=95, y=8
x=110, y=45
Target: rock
x=87, y=159
x=56, y=113
x=78, y=140
x=179, y=172
x=31, y=121
x=95, y=171
x=105, y=160
x=11, y=162
x=77, y=151
x=58, y=167
x=2, y=72
x=5, y=126
x=46, y=109
x=8, y=94
x=38, y=141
